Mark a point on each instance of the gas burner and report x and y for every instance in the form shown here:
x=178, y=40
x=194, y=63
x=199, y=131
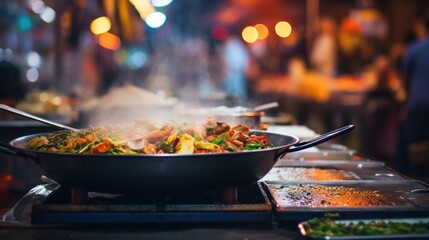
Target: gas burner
x=72, y=206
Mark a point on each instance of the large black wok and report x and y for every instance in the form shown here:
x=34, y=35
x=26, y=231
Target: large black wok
x=163, y=172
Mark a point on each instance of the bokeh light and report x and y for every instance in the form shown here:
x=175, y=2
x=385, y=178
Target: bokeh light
x=283, y=29
x=57, y=100
x=160, y=3
x=32, y=74
x=100, y=25
x=37, y=6
x=136, y=59
x=155, y=19
x=109, y=41
x=47, y=14
x=143, y=7
x=24, y=23
x=33, y=59
x=249, y=34
x=262, y=31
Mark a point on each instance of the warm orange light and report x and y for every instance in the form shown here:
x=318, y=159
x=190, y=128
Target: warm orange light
x=100, y=25
x=250, y=34
x=283, y=29
x=262, y=31
x=228, y=15
x=66, y=20
x=109, y=41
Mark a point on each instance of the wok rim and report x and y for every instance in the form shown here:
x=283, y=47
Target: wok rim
x=293, y=141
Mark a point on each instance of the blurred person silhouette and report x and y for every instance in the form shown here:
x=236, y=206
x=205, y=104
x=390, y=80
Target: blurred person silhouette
x=414, y=135
x=13, y=89
x=272, y=61
x=349, y=43
x=109, y=70
x=236, y=59
x=418, y=31
x=382, y=106
x=323, y=55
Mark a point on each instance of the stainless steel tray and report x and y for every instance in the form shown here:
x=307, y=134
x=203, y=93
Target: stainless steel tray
x=308, y=171
x=332, y=155
x=337, y=162
x=309, y=174
x=298, y=202
x=304, y=230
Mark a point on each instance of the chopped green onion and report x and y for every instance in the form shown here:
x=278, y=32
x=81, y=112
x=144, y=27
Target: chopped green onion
x=209, y=128
x=252, y=146
x=219, y=140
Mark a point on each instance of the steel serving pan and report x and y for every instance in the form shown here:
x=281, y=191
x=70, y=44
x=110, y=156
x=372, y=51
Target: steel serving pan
x=303, y=227
x=233, y=116
x=163, y=172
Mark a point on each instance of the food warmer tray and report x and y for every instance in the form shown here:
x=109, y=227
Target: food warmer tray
x=330, y=155
x=291, y=171
x=302, y=201
x=304, y=230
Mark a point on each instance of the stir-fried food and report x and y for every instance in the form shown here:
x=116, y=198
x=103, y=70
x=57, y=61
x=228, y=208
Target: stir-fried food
x=151, y=138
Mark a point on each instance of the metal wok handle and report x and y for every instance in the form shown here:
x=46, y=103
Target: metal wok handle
x=6, y=148
x=321, y=139
x=36, y=118
x=317, y=140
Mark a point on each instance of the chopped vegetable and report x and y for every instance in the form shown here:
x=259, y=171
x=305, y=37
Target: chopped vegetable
x=327, y=226
x=185, y=145
x=253, y=146
x=219, y=140
x=152, y=138
x=206, y=146
x=37, y=142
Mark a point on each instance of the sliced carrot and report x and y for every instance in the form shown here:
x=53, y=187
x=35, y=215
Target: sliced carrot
x=102, y=147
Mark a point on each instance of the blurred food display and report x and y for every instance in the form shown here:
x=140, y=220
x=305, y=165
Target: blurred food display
x=48, y=104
